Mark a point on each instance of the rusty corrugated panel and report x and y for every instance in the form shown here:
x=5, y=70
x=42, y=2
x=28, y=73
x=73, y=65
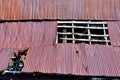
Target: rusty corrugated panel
x=78, y=9
x=8, y=11
x=50, y=9
x=60, y=9
x=2, y=35
x=102, y=60
x=26, y=9
x=38, y=9
x=5, y=56
x=27, y=34
x=111, y=10
x=43, y=59
x=50, y=33
x=64, y=9
x=77, y=59
x=114, y=32
x=56, y=59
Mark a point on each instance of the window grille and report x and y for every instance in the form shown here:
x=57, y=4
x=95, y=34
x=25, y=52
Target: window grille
x=91, y=32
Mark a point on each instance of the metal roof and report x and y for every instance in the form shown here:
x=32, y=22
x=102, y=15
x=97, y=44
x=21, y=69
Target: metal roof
x=60, y=9
x=76, y=59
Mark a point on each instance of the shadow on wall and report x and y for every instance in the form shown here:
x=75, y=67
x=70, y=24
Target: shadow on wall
x=39, y=76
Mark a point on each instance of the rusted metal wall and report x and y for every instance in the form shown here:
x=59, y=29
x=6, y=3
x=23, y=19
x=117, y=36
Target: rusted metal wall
x=60, y=9
x=114, y=32
x=22, y=35
x=39, y=37
x=44, y=56
x=77, y=59
x=47, y=57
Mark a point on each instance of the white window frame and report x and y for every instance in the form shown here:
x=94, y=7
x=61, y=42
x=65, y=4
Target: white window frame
x=89, y=34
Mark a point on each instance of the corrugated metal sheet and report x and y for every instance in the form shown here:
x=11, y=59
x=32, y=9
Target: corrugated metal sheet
x=77, y=59
x=53, y=59
x=27, y=34
x=65, y=9
x=114, y=32
x=2, y=35
x=102, y=60
x=50, y=9
x=60, y=9
x=39, y=37
x=5, y=56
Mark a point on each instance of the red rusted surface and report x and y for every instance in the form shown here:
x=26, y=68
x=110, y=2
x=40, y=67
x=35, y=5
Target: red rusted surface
x=2, y=35
x=54, y=59
x=60, y=9
x=102, y=60
x=65, y=9
x=76, y=59
x=39, y=37
x=23, y=35
x=114, y=32
x=5, y=56
x=50, y=9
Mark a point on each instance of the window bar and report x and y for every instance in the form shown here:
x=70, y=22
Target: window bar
x=81, y=34
x=85, y=22
x=89, y=37
x=64, y=36
x=57, y=37
x=82, y=27
x=83, y=40
x=105, y=34
x=73, y=36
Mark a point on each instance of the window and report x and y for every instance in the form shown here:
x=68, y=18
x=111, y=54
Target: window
x=91, y=32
